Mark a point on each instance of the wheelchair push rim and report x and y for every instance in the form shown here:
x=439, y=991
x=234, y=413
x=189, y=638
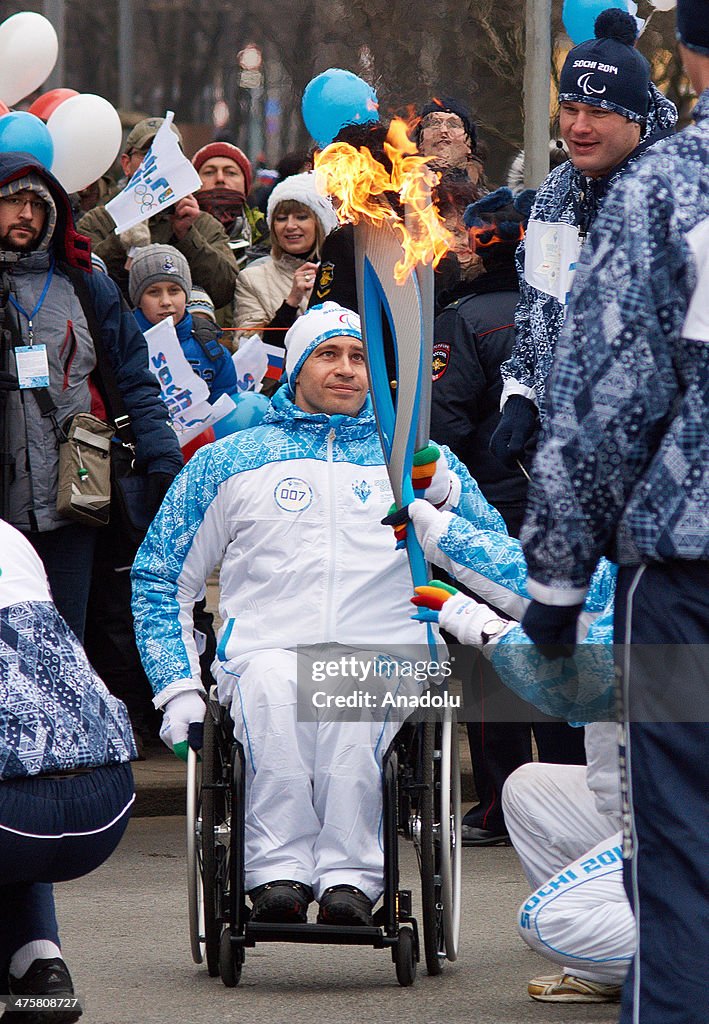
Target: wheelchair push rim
x=436, y=831
x=451, y=845
x=195, y=886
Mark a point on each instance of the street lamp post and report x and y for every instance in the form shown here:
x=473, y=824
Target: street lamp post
x=537, y=75
x=125, y=54
x=250, y=62
x=53, y=11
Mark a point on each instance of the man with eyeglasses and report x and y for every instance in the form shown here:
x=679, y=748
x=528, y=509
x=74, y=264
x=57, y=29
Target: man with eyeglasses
x=446, y=133
x=196, y=234
x=22, y=218
x=56, y=316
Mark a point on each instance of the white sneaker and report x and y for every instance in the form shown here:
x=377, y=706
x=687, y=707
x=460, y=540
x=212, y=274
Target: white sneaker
x=565, y=988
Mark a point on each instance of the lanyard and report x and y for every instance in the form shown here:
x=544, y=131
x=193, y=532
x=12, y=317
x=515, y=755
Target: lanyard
x=29, y=317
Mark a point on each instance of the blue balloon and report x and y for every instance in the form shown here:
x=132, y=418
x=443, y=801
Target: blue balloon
x=250, y=410
x=579, y=16
x=336, y=98
x=23, y=132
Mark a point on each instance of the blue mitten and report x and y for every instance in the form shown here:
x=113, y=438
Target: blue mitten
x=552, y=628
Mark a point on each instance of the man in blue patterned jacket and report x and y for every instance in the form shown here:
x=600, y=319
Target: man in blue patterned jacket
x=610, y=114
x=623, y=468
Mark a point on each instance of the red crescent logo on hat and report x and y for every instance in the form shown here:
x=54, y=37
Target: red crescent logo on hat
x=348, y=320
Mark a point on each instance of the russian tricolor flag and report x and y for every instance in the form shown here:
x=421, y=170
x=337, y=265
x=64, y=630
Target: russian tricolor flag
x=276, y=359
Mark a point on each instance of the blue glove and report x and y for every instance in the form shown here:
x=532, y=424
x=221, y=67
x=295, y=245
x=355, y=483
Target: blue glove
x=552, y=628
x=517, y=425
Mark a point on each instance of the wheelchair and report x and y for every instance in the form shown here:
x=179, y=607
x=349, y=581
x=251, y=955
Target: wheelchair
x=421, y=804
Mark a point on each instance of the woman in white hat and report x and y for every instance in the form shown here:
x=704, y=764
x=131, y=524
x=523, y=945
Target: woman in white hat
x=271, y=293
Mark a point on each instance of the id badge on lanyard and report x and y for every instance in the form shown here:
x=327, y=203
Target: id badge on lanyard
x=32, y=366
x=32, y=360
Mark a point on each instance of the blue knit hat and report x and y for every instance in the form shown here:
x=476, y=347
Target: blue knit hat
x=608, y=71
x=693, y=25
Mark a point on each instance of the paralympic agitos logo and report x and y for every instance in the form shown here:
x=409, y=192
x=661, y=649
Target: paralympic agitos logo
x=585, y=84
x=584, y=81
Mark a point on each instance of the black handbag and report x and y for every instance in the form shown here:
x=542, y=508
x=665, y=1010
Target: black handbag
x=129, y=491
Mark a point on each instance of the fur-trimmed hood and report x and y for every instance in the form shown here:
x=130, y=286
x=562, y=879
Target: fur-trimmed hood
x=66, y=244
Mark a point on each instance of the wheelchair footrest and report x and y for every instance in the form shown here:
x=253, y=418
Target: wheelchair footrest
x=345, y=935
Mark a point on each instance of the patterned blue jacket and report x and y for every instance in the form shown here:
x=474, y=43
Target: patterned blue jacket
x=55, y=713
x=292, y=509
x=565, y=207
x=623, y=463
x=491, y=564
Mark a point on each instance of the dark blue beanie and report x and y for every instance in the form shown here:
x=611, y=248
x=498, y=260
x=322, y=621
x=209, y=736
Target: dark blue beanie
x=693, y=25
x=608, y=71
x=450, y=106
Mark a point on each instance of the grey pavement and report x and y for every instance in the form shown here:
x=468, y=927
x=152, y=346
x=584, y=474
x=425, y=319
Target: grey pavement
x=125, y=936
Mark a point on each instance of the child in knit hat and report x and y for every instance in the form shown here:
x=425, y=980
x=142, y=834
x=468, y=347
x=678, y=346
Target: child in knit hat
x=159, y=286
x=200, y=304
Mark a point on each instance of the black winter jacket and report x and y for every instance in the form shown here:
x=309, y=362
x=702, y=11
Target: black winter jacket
x=472, y=337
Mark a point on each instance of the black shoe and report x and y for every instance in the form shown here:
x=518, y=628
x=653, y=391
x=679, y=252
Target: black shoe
x=473, y=836
x=48, y=978
x=281, y=901
x=345, y=904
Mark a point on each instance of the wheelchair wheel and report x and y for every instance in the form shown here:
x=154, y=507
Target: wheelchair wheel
x=195, y=887
x=215, y=842
x=439, y=841
x=230, y=961
x=405, y=958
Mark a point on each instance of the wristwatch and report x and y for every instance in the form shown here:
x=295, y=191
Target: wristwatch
x=493, y=628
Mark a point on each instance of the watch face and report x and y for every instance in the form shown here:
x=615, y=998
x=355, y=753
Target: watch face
x=492, y=629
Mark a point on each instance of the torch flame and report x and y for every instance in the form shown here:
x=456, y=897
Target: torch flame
x=360, y=182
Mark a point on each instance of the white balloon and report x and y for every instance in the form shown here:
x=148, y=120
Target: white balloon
x=664, y=5
x=86, y=132
x=28, y=53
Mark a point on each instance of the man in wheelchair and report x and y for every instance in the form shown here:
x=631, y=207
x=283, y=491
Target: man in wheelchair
x=292, y=509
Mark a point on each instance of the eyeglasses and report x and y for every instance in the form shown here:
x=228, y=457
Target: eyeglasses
x=436, y=123
x=19, y=202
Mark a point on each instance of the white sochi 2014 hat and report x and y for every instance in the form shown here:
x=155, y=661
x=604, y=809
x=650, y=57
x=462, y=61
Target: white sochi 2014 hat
x=313, y=328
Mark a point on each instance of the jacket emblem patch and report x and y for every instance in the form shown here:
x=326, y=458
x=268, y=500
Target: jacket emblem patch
x=362, y=490
x=293, y=494
x=325, y=279
x=441, y=357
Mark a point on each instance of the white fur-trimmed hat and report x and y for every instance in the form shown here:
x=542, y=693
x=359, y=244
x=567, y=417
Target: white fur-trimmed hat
x=314, y=327
x=301, y=188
